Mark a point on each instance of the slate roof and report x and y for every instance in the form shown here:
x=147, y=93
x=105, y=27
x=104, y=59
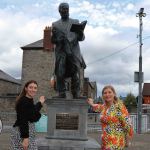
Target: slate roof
x=6, y=77
x=146, y=89
x=35, y=45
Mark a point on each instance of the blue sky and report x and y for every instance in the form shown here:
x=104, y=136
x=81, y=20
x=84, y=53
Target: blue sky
x=111, y=30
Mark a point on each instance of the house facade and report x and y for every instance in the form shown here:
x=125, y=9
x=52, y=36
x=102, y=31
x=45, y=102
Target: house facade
x=146, y=93
x=90, y=88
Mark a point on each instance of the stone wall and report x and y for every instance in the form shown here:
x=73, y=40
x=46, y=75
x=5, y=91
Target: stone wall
x=8, y=118
x=39, y=65
x=7, y=109
x=7, y=103
x=7, y=87
x=90, y=88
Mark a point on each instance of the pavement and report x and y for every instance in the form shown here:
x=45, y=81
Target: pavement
x=139, y=141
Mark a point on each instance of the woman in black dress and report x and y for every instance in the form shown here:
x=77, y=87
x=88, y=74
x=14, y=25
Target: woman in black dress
x=23, y=131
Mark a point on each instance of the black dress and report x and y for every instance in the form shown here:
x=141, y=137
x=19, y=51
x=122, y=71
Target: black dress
x=27, y=114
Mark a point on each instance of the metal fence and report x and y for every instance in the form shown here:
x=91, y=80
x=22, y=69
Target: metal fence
x=94, y=122
x=8, y=119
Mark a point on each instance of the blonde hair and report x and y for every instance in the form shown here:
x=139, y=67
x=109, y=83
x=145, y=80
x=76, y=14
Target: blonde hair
x=113, y=90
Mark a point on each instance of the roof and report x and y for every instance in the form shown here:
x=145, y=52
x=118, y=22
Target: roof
x=93, y=85
x=35, y=45
x=6, y=77
x=146, y=89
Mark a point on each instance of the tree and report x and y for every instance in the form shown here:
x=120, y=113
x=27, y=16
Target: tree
x=130, y=101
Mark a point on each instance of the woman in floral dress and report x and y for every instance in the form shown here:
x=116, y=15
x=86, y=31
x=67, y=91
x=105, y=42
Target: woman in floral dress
x=116, y=125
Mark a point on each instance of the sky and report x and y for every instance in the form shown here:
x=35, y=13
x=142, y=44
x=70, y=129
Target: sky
x=111, y=46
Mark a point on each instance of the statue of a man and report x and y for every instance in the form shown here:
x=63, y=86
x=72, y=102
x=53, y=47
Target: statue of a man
x=67, y=51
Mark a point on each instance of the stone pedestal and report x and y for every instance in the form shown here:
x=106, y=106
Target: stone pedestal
x=56, y=144
x=67, y=119
x=67, y=126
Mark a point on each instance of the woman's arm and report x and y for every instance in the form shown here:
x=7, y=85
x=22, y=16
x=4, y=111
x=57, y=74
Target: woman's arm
x=25, y=143
x=34, y=112
x=96, y=107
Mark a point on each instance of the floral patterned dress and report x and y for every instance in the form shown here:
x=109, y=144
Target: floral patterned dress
x=116, y=125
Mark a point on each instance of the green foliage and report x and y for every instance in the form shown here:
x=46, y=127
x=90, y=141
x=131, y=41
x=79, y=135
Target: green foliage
x=130, y=100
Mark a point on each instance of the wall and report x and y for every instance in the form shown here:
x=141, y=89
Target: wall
x=39, y=65
x=7, y=103
x=7, y=110
x=8, y=87
x=90, y=91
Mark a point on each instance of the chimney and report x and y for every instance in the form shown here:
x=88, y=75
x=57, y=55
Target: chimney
x=47, y=44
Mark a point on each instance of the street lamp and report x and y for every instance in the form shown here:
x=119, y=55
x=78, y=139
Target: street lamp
x=140, y=14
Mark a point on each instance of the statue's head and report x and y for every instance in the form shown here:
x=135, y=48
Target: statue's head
x=64, y=10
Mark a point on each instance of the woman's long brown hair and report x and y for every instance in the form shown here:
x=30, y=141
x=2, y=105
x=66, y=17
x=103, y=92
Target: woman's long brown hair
x=23, y=92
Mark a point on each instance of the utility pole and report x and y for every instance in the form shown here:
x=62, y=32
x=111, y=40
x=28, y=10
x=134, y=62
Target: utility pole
x=140, y=14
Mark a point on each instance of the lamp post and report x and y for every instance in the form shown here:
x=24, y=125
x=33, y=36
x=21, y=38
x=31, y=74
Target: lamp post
x=140, y=14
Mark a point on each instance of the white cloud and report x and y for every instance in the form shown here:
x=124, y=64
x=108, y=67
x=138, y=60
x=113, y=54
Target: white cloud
x=130, y=7
x=17, y=30
x=129, y=21
x=116, y=4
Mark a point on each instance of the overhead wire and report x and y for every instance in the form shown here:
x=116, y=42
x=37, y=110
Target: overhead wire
x=114, y=53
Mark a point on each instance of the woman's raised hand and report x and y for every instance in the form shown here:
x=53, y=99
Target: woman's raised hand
x=42, y=99
x=90, y=101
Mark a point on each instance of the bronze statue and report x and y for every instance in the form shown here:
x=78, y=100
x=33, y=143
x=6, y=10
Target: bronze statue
x=67, y=51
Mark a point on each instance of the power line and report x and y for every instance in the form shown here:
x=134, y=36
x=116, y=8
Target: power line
x=100, y=59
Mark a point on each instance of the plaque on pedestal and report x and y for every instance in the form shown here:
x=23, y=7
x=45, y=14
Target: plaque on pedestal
x=67, y=121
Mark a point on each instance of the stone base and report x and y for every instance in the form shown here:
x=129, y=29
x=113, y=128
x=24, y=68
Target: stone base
x=67, y=119
x=67, y=126
x=55, y=144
